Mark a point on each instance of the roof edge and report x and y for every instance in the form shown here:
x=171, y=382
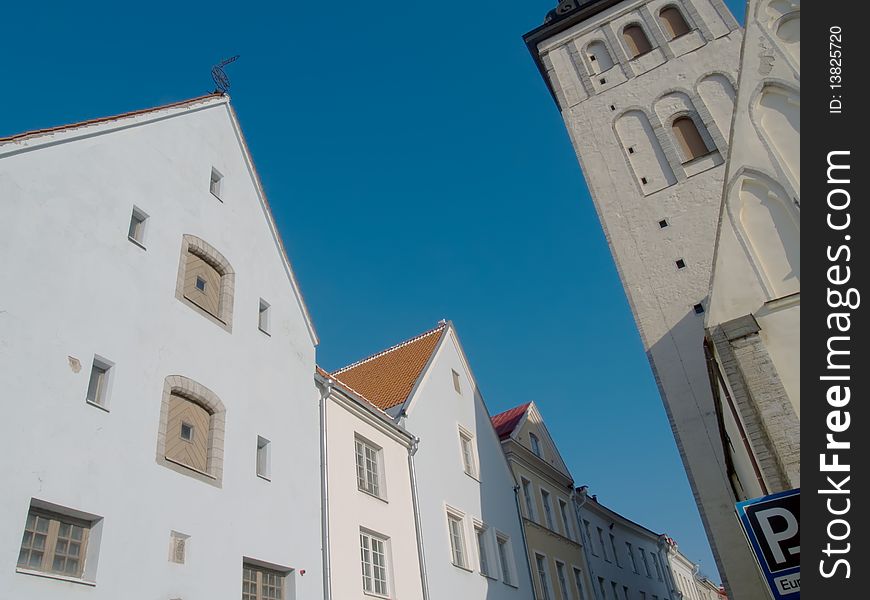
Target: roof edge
x=441, y=325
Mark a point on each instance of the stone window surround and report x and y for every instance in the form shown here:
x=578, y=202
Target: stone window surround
x=195, y=392
x=205, y=251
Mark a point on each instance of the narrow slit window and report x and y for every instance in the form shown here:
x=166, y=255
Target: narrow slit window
x=631, y=149
x=264, y=458
x=136, y=232
x=264, y=314
x=98, y=384
x=643, y=180
x=215, y=185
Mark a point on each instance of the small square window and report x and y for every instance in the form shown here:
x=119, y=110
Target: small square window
x=663, y=223
x=698, y=308
x=643, y=180
x=264, y=458
x=186, y=432
x=631, y=149
x=264, y=316
x=98, y=384
x=136, y=233
x=592, y=57
x=200, y=283
x=456, y=385
x=216, y=183
x=612, y=107
x=602, y=81
x=681, y=264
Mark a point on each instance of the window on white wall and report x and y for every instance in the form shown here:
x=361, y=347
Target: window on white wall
x=480, y=533
x=536, y=445
x=673, y=22
x=457, y=540
x=261, y=583
x=469, y=453
x=215, y=185
x=264, y=316
x=373, y=553
x=368, y=458
x=54, y=543
x=136, y=232
x=456, y=385
x=505, y=558
x=636, y=41
x=264, y=458
x=543, y=579
x=98, y=384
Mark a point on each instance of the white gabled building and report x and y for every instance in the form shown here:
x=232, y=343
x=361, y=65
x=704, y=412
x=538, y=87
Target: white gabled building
x=371, y=536
x=472, y=536
x=157, y=362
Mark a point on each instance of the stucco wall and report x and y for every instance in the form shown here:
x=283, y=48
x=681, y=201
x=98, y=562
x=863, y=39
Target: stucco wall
x=74, y=286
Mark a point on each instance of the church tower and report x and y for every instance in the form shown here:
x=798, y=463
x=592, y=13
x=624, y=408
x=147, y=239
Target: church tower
x=646, y=89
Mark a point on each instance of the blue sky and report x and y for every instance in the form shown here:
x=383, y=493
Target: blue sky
x=418, y=170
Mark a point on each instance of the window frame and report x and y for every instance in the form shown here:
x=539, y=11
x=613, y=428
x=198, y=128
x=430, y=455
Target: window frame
x=264, y=317
x=632, y=46
x=371, y=579
x=205, y=252
x=484, y=557
x=563, y=582
x=455, y=517
x=566, y=523
x=264, y=458
x=578, y=582
x=543, y=575
x=546, y=498
x=535, y=443
x=216, y=184
x=364, y=484
x=526, y=486
x=506, y=561
x=283, y=577
x=457, y=385
x=102, y=394
x=467, y=438
x=667, y=26
x=138, y=226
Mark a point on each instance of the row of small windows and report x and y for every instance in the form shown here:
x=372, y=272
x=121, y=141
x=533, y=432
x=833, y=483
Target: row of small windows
x=503, y=564
x=614, y=592
x=546, y=501
x=562, y=578
x=615, y=554
x=59, y=543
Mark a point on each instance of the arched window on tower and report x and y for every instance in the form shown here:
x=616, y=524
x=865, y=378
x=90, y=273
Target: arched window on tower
x=674, y=23
x=636, y=40
x=691, y=143
x=599, y=57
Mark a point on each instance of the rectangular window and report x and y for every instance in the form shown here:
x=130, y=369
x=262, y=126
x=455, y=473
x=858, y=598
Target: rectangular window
x=374, y=563
x=216, y=183
x=566, y=522
x=264, y=458
x=602, y=588
x=263, y=318
x=625, y=592
x=578, y=581
x=504, y=559
x=645, y=563
x=54, y=543
x=589, y=537
x=457, y=540
x=563, y=582
x=601, y=542
x=260, y=583
x=136, y=233
x=655, y=560
x=614, y=588
x=456, y=385
x=541, y=564
x=631, y=556
x=615, y=553
x=480, y=533
x=527, y=496
x=367, y=467
x=548, y=509
x=468, y=459
x=98, y=384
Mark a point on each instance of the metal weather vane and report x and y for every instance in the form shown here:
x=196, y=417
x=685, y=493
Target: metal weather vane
x=221, y=80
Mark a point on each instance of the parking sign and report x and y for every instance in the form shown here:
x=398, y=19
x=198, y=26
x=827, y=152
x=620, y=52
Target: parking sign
x=772, y=525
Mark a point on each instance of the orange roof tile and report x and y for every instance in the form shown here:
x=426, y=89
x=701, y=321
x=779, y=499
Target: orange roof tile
x=386, y=378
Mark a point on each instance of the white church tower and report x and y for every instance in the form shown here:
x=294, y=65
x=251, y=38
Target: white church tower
x=647, y=89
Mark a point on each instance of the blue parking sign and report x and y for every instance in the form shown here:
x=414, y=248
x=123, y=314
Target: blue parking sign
x=772, y=525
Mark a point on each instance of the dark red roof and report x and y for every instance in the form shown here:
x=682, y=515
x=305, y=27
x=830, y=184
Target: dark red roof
x=504, y=423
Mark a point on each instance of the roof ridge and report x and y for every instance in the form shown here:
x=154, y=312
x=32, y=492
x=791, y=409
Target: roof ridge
x=94, y=121
x=440, y=326
x=524, y=406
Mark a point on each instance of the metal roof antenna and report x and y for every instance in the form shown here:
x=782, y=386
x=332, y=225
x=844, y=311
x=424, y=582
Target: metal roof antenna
x=221, y=80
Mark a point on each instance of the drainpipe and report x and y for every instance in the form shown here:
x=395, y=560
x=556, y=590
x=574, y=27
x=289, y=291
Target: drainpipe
x=578, y=504
x=424, y=581
x=525, y=542
x=325, y=391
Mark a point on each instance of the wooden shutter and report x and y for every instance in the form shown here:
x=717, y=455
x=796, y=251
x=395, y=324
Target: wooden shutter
x=691, y=142
x=193, y=452
x=674, y=22
x=636, y=40
x=209, y=299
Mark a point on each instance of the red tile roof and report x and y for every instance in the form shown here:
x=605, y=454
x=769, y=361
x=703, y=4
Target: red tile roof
x=505, y=422
x=36, y=132
x=387, y=378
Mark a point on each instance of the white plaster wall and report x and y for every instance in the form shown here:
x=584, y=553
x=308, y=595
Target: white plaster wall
x=73, y=285
x=434, y=415
x=661, y=296
x=351, y=509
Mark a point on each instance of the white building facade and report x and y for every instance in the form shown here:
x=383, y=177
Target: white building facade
x=157, y=368
x=372, y=538
x=472, y=536
x=647, y=90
